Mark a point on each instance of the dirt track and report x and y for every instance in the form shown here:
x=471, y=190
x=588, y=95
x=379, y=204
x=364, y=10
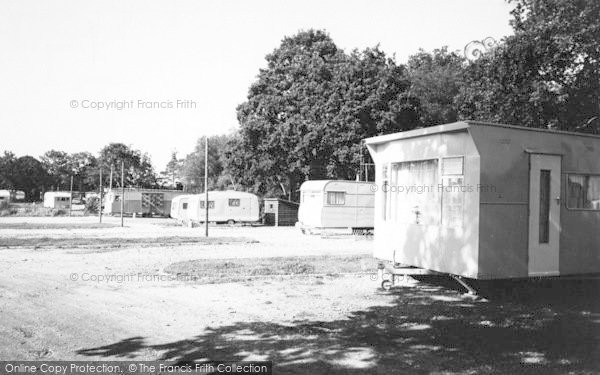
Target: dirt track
x=304, y=324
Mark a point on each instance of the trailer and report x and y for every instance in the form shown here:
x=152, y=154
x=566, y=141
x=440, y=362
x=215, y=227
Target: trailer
x=228, y=206
x=143, y=202
x=60, y=200
x=334, y=204
x=487, y=201
x=6, y=195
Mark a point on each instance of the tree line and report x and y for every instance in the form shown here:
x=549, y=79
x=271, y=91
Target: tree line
x=313, y=103
x=309, y=109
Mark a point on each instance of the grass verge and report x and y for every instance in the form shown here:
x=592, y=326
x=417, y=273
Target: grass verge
x=116, y=242
x=228, y=270
x=36, y=226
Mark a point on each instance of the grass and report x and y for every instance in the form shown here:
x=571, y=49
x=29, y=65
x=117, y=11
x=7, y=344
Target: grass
x=227, y=270
x=115, y=242
x=56, y=225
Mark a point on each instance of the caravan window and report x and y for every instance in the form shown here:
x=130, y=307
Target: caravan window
x=211, y=204
x=583, y=192
x=234, y=203
x=184, y=206
x=336, y=198
x=414, y=196
x=453, y=191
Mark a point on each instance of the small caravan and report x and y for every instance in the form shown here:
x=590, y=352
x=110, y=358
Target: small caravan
x=140, y=201
x=488, y=201
x=223, y=207
x=330, y=204
x=5, y=195
x=57, y=199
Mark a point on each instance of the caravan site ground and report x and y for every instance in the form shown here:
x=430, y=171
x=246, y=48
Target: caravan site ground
x=75, y=289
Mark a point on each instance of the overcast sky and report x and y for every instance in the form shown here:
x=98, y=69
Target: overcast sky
x=62, y=59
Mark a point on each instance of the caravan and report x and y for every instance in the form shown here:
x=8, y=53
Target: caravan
x=330, y=204
x=223, y=207
x=57, y=200
x=144, y=202
x=488, y=201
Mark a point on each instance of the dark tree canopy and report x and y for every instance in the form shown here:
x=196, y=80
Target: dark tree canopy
x=30, y=177
x=546, y=75
x=138, y=167
x=309, y=109
x=436, y=79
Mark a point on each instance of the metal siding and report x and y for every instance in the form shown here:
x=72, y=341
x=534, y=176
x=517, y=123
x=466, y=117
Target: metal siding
x=504, y=162
x=434, y=247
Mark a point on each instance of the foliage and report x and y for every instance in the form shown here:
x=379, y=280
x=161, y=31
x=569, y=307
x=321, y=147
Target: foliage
x=172, y=175
x=546, y=75
x=31, y=177
x=61, y=166
x=7, y=170
x=193, y=165
x=92, y=204
x=138, y=168
x=436, y=78
x=309, y=109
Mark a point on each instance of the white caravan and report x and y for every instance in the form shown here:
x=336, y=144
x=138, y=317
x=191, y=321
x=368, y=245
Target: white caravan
x=57, y=199
x=223, y=207
x=330, y=204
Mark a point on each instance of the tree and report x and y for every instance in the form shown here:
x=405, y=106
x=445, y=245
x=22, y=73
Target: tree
x=84, y=167
x=546, y=75
x=7, y=170
x=309, y=109
x=138, y=168
x=436, y=79
x=171, y=176
x=31, y=177
x=58, y=167
x=193, y=165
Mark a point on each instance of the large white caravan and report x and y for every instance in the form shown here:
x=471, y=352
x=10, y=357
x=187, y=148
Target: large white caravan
x=223, y=207
x=330, y=204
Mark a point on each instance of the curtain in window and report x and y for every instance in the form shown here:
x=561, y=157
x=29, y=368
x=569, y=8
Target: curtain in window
x=583, y=192
x=414, y=194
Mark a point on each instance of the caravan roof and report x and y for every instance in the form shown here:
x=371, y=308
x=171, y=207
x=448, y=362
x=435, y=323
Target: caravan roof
x=319, y=185
x=457, y=126
x=57, y=194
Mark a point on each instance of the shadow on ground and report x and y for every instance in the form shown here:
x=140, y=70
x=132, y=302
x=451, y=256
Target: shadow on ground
x=544, y=328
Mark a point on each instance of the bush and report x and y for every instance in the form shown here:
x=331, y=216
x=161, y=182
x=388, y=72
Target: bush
x=59, y=212
x=91, y=205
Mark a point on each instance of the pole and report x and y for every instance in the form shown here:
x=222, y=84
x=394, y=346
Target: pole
x=71, y=198
x=100, y=203
x=122, y=190
x=111, y=178
x=206, y=185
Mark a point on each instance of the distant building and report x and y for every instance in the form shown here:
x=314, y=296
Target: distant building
x=280, y=212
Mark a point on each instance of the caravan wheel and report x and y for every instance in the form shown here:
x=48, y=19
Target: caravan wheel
x=230, y=221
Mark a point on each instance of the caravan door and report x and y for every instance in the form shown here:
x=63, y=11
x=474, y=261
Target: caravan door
x=544, y=214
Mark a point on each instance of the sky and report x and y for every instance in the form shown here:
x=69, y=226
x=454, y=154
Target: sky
x=157, y=75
